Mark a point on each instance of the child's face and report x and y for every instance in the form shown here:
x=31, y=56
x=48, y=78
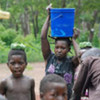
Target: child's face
x=17, y=65
x=61, y=49
x=56, y=91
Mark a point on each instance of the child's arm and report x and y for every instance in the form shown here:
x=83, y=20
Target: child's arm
x=3, y=87
x=33, y=90
x=44, y=41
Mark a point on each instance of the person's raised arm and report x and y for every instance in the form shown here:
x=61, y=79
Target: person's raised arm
x=75, y=45
x=44, y=41
x=76, y=59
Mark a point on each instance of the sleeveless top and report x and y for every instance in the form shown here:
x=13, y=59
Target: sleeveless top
x=65, y=69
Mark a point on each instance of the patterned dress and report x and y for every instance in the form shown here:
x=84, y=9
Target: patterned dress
x=65, y=69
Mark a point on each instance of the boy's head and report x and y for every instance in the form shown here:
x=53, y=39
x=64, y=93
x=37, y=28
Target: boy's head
x=17, y=52
x=17, y=61
x=62, y=47
x=95, y=52
x=53, y=87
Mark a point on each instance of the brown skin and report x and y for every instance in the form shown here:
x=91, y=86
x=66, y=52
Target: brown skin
x=17, y=86
x=46, y=51
x=44, y=41
x=61, y=49
x=56, y=91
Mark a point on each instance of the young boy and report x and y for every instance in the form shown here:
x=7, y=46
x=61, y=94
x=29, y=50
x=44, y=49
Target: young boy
x=53, y=87
x=58, y=63
x=17, y=86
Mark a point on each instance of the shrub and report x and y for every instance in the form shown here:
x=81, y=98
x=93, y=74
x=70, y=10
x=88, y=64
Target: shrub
x=2, y=28
x=33, y=48
x=3, y=52
x=96, y=41
x=8, y=36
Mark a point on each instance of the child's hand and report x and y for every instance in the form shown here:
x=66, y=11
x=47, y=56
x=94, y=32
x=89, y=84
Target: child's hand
x=48, y=8
x=76, y=33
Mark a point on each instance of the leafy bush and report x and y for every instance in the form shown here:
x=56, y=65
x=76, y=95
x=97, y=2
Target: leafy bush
x=33, y=48
x=19, y=38
x=96, y=41
x=8, y=36
x=83, y=36
x=2, y=28
x=3, y=52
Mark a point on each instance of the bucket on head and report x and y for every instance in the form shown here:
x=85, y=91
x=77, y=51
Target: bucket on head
x=62, y=22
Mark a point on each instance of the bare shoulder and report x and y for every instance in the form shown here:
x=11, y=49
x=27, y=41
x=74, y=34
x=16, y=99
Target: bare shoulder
x=4, y=81
x=3, y=85
x=29, y=79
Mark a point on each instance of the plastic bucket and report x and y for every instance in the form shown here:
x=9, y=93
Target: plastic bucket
x=62, y=22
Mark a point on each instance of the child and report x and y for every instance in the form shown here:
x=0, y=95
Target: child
x=95, y=52
x=17, y=86
x=53, y=87
x=58, y=63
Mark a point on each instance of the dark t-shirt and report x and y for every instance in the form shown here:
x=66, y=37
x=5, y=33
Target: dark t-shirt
x=65, y=69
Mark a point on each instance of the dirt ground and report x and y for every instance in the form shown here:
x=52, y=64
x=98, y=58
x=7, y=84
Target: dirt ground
x=36, y=71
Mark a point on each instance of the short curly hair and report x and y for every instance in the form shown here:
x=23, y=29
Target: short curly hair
x=50, y=78
x=66, y=39
x=17, y=52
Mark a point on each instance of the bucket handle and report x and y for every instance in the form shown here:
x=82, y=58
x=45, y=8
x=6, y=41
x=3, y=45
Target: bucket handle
x=57, y=17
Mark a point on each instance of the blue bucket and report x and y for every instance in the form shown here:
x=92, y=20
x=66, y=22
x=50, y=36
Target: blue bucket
x=62, y=22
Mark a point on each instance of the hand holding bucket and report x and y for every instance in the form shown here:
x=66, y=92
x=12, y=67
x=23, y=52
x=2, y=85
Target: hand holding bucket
x=48, y=8
x=76, y=33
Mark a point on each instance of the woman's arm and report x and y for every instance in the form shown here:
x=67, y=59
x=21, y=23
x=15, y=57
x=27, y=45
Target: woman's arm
x=75, y=45
x=44, y=41
x=76, y=59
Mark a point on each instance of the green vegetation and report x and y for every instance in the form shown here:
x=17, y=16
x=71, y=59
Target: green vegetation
x=28, y=16
x=85, y=44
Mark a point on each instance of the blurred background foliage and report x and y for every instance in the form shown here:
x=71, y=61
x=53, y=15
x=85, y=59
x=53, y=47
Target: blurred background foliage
x=28, y=16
